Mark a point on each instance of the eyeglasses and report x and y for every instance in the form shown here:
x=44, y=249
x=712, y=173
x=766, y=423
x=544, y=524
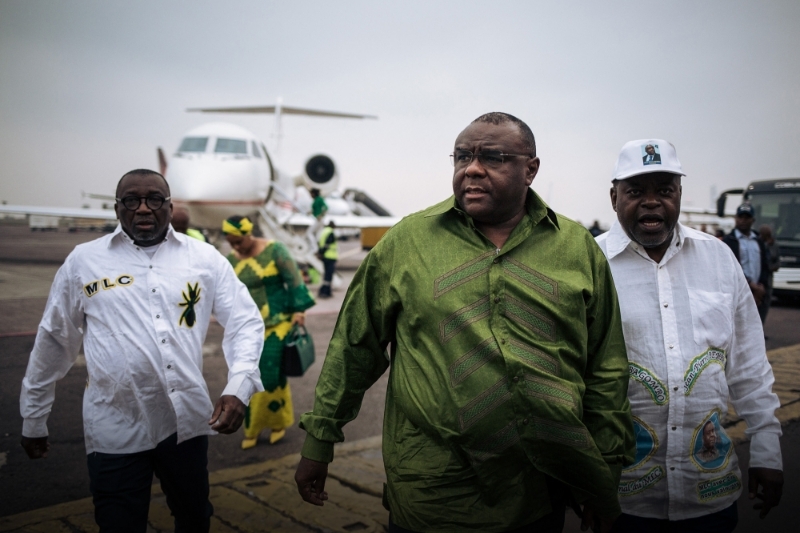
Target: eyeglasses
x=132, y=203
x=487, y=158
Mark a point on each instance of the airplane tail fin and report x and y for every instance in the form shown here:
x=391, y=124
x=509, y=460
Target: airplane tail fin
x=162, y=162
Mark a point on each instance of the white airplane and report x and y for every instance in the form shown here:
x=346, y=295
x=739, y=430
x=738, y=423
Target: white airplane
x=221, y=170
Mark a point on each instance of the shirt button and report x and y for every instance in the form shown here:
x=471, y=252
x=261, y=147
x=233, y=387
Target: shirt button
x=169, y=366
x=502, y=341
x=497, y=300
x=154, y=290
x=515, y=379
x=665, y=303
x=670, y=346
x=672, y=468
x=151, y=266
x=674, y=388
x=158, y=316
x=525, y=421
x=495, y=261
x=173, y=390
x=163, y=341
x=674, y=428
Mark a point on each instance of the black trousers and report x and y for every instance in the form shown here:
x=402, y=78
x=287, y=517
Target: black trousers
x=330, y=268
x=550, y=523
x=120, y=486
x=723, y=521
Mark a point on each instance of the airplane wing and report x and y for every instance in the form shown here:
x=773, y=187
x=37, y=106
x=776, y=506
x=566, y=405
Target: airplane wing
x=286, y=110
x=70, y=212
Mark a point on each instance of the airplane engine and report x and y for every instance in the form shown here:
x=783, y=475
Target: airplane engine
x=320, y=173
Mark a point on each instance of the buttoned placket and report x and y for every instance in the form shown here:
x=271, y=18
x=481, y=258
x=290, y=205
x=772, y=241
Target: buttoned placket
x=156, y=297
x=674, y=377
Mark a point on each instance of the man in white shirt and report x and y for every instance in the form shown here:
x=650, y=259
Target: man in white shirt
x=693, y=336
x=140, y=301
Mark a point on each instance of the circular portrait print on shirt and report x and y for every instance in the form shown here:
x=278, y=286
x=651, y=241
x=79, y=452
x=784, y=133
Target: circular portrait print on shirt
x=646, y=444
x=711, y=447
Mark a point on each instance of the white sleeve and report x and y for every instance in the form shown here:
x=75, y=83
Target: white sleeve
x=244, y=332
x=58, y=341
x=750, y=380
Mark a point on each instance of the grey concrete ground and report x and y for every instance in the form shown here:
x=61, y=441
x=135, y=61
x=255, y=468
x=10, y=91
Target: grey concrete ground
x=251, y=490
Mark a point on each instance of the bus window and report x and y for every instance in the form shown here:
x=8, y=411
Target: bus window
x=193, y=144
x=779, y=211
x=231, y=146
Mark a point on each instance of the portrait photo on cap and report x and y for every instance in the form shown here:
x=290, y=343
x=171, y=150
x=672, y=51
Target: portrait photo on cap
x=651, y=155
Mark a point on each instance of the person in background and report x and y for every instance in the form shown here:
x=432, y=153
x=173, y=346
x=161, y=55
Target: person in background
x=139, y=301
x=774, y=263
x=318, y=206
x=180, y=223
x=694, y=342
x=751, y=253
x=276, y=285
x=595, y=229
x=507, y=389
x=329, y=251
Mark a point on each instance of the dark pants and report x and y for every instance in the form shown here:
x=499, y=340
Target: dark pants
x=330, y=268
x=120, y=486
x=720, y=522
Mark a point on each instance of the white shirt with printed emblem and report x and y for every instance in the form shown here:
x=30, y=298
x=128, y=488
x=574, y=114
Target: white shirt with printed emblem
x=142, y=322
x=694, y=339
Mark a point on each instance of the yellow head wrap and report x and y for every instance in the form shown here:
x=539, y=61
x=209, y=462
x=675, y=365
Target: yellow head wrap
x=240, y=228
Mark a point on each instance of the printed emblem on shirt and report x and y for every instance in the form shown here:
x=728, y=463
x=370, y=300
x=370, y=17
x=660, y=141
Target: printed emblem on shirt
x=92, y=288
x=653, y=476
x=646, y=444
x=473, y=360
x=450, y=326
x=491, y=399
x=533, y=279
x=190, y=298
x=650, y=382
x=710, y=446
x=527, y=316
x=718, y=487
x=700, y=363
x=462, y=274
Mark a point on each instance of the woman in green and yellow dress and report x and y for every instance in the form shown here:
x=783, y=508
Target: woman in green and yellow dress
x=276, y=285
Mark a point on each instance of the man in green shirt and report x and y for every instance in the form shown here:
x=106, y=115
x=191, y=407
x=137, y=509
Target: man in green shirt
x=509, y=374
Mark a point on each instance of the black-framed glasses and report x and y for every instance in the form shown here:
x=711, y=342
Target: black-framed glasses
x=487, y=158
x=153, y=202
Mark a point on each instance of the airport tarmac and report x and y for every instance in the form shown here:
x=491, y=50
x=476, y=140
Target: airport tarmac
x=253, y=490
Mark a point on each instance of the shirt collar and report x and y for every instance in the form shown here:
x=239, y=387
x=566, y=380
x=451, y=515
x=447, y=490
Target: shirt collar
x=119, y=236
x=617, y=240
x=535, y=207
x=740, y=235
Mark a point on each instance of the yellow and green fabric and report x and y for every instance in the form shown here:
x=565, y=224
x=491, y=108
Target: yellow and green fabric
x=508, y=367
x=277, y=287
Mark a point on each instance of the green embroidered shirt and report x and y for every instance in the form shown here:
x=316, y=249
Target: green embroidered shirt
x=507, y=366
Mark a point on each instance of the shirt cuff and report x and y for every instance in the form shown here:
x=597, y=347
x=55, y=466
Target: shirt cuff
x=243, y=387
x=765, y=450
x=34, y=428
x=317, y=450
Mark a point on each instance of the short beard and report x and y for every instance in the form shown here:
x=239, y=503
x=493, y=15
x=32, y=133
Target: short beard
x=653, y=241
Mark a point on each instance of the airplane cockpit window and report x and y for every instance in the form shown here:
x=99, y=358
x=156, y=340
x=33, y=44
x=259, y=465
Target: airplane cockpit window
x=255, y=150
x=231, y=146
x=194, y=144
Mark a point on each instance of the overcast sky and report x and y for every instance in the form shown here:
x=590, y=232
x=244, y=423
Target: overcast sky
x=90, y=89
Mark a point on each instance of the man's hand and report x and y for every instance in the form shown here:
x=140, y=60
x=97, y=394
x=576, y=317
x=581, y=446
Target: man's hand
x=591, y=519
x=772, y=481
x=228, y=414
x=299, y=319
x=758, y=291
x=310, y=478
x=35, y=448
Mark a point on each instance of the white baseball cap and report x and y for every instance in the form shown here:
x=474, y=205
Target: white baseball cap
x=645, y=156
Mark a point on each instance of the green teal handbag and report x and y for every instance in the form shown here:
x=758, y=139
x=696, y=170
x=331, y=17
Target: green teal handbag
x=298, y=352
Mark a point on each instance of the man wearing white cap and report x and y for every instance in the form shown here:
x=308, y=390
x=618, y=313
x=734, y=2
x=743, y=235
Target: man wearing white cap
x=693, y=335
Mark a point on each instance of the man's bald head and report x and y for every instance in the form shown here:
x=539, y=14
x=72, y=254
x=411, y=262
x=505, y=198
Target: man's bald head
x=498, y=117
x=138, y=173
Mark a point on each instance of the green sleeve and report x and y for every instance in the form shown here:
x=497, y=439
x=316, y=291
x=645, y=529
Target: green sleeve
x=356, y=355
x=300, y=298
x=606, y=410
